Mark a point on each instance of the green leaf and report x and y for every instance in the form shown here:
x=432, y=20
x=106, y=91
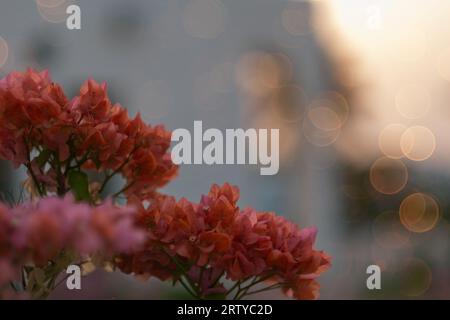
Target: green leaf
x=79, y=183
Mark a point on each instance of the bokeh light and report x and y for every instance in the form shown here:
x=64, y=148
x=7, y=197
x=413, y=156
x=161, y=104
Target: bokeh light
x=415, y=277
x=319, y=137
x=388, y=176
x=54, y=11
x=49, y=3
x=418, y=143
x=389, y=140
x=419, y=212
x=324, y=118
x=336, y=102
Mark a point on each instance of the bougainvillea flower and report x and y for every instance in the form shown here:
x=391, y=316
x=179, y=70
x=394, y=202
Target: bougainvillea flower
x=30, y=98
x=86, y=131
x=58, y=140
x=220, y=238
x=28, y=101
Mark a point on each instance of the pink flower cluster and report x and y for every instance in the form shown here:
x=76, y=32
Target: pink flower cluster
x=87, y=131
x=8, y=270
x=35, y=233
x=216, y=236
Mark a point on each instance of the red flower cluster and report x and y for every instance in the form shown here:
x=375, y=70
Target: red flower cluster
x=113, y=141
x=217, y=237
x=87, y=131
x=28, y=101
x=197, y=244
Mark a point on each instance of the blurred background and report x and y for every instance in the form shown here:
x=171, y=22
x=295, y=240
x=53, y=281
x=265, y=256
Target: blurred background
x=358, y=88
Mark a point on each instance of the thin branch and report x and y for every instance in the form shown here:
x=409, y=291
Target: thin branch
x=187, y=288
x=183, y=269
x=62, y=280
x=33, y=176
x=128, y=186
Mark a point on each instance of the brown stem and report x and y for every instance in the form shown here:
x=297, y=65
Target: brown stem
x=28, y=165
x=115, y=171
